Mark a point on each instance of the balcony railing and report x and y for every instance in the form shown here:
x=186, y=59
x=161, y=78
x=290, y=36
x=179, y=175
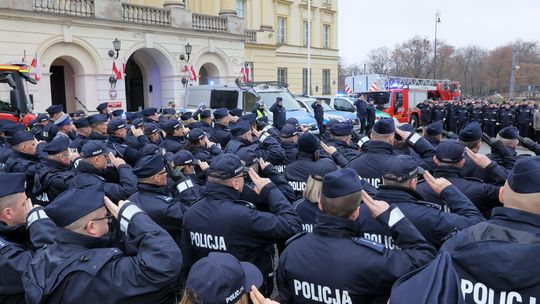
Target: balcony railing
x=251, y=36
x=80, y=8
x=145, y=15
x=209, y=23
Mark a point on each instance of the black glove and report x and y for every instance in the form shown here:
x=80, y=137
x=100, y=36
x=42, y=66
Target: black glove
x=528, y=143
x=450, y=134
x=497, y=147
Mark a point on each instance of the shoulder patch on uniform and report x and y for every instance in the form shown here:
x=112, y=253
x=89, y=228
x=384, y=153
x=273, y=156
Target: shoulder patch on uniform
x=245, y=204
x=474, y=179
x=295, y=237
x=369, y=243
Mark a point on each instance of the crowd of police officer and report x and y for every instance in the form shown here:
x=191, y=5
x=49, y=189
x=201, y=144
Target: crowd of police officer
x=491, y=115
x=174, y=206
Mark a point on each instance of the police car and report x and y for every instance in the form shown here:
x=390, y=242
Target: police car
x=329, y=113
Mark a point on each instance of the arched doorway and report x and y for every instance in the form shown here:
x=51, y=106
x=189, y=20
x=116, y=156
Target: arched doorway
x=62, y=80
x=134, y=86
x=148, y=79
x=208, y=74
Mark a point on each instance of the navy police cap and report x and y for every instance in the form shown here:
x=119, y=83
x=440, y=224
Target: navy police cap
x=221, y=278
x=74, y=203
x=525, y=175
x=102, y=106
x=97, y=118
x=81, y=123
x=63, y=120
x=221, y=113
x=401, y=168
x=341, y=129
x=186, y=116
x=12, y=183
x=225, y=166
x=450, y=151
x=19, y=137
x=322, y=167
x=183, y=158
x=292, y=121
x=149, y=165
x=471, y=132
x=196, y=134
x=236, y=112
x=435, y=128
x=510, y=132
x=241, y=128
x=149, y=112
x=57, y=145
x=341, y=183
x=53, y=109
x=116, y=124
x=150, y=128
x=384, y=126
x=93, y=148
x=308, y=143
x=288, y=131
x=170, y=125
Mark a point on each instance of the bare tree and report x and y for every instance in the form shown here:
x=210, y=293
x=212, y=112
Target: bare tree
x=379, y=60
x=469, y=69
x=413, y=58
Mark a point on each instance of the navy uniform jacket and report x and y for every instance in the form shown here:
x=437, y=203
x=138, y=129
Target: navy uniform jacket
x=348, y=151
x=463, y=115
x=370, y=111
x=267, y=148
x=491, y=116
x=97, y=136
x=291, y=152
x=24, y=163
x=220, y=222
x=187, y=191
x=307, y=211
x=477, y=114
x=220, y=135
x=507, y=117
x=271, y=172
x=173, y=144
x=425, y=112
x=369, y=164
x=82, y=269
x=480, y=265
x=78, y=142
x=361, y=110
x=334, y=265
x=158, y=203
x=484, y=196
x=439, y=113
x=493, y=174
x=119, y=183
x=207, y=154
x=136, y=142
x=5, y=152
x=18, y=246
x=279, y=115
x=51, y=179
x=524, y=114
x=431, y=219
x=318, y=112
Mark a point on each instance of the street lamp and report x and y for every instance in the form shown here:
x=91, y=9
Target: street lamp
x=437, y=20
x=188, y=52
x=117, y=44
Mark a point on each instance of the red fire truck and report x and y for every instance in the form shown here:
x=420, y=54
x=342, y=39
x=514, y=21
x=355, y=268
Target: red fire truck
x=398, y=96
x=15, y=102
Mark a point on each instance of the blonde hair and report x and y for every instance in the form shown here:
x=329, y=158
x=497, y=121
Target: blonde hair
x=313, y=190
x=191, y=297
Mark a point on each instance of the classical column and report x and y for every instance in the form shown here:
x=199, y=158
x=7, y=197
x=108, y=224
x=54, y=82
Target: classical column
x=227, y=8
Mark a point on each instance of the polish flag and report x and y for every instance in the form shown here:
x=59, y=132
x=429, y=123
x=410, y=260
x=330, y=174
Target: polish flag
x=116, y=71
x=192, y=74
x=244, y=75
x=248, y=77
x=37, y=68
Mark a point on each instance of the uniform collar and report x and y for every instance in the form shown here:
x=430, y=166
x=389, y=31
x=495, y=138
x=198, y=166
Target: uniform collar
x=87, y=168
x=69, y=237
x=380, y=147
x=220, y=192
x=153, y=189
x=55, y=165
x=396, y=194
x=117, y=140
x=24, y=155
x=97, y=136
x=328, y=225
x=13, y=233
x=516, y=215
x=220, y=126
x=289, y=144
x=174, y=138
x=447, y=171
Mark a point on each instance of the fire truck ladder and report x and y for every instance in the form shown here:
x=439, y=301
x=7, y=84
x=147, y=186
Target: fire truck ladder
x=404, y=81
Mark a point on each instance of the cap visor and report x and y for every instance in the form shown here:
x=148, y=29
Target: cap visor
x=253, y=276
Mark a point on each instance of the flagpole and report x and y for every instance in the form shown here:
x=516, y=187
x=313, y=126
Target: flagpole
x=309, y=49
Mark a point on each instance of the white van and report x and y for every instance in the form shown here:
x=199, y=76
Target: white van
x=220, y=96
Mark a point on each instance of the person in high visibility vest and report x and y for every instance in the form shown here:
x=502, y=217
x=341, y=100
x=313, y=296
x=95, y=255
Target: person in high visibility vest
x=260, y=110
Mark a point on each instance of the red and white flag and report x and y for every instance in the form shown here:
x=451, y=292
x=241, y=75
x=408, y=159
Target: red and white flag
x=116, y=71
x=244, y=75
x=192, y=74
x=37, y=68
x=248, y=77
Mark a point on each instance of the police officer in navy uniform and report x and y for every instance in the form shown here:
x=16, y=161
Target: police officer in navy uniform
x=116, y=128
x=103, y=108
x=150, y=115
x=135, y=137
x=433, y=133
x=507, y=116
x=524, y=118
x=25, y=230
x=8, y=129
x=279, y=113
x=426, y=110
x=155, y=198
x=119, y=180
x=435, y=221
x=380, y=149
x=340, y=137
x=266, y=146
x=491, y=118
x=477, y=113
x=176, y=135
x=187, y=188
x=481, y=264
x=361, y=112
x=83, y=254
x=333, y=264
x=65, y=127
x=200, y=146
x=205, y=123
x=509, y=138
x=220, y=133
x=40, y=122
x=439, y=112
x=220, y=222
x=98, y=122
x=55, y=174
x=463, y=116
x=289, y=142
x=55, y=112
x=449, y=159
x=83, y=132
x=318, y=113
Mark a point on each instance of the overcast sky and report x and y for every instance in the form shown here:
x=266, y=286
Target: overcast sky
x=365, y=25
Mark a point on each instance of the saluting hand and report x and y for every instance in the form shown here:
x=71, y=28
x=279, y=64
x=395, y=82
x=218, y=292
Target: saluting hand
x=258, y=298
x=436, y=184
x=136, y=132
x=330, y=150
x=263, y=164
x=376, y=207
x=403, y=134
x=480, y=160
x=259, y=182
x=203, y=165
x=113, y=209
x=116, y=161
